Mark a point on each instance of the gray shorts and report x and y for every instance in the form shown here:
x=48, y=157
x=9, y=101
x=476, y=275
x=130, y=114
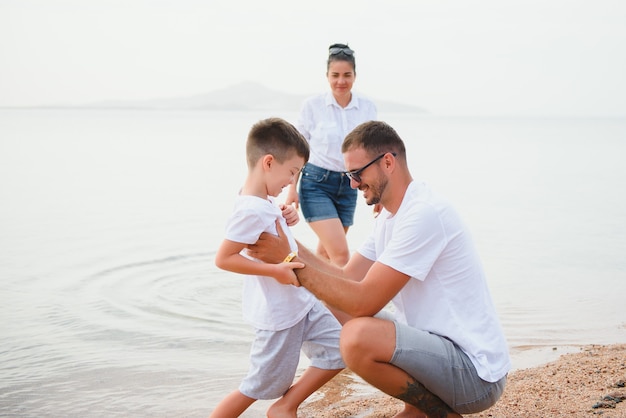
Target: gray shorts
x=275, y=355
x=444, y=369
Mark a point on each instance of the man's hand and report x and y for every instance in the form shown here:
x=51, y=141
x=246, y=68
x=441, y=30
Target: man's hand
x=290, y=214
x=270, y=248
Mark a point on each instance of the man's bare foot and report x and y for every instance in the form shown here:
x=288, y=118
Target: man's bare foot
x=412, y=412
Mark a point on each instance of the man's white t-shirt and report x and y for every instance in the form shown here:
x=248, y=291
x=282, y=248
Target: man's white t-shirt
x=447, y=293
x=266, y=303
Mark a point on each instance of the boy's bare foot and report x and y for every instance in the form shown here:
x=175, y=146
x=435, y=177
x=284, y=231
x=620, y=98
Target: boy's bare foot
x=277, y=411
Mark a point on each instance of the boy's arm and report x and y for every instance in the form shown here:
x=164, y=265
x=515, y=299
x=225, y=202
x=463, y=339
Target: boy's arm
x=228, y=258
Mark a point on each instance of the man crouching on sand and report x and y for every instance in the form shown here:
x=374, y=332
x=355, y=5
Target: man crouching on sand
x=444, y=352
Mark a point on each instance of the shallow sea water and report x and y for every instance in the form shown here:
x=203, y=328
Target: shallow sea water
x=109, y=222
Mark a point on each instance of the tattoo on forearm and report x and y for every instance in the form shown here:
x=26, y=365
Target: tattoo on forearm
x=418, y=396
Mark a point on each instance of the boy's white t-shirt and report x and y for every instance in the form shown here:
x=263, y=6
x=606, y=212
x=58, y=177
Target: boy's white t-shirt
x=266, y=304
x=447, y=293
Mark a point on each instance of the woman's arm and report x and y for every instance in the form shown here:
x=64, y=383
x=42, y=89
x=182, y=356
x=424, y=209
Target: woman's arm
x=292, y=193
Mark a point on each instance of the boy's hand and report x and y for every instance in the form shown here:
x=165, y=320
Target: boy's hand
x=285, y=274
x=290, y=214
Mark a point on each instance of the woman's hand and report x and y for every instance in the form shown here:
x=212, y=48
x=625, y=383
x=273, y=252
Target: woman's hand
x=271, y=248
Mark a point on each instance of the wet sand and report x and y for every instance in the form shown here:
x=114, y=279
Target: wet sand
x=586, y=383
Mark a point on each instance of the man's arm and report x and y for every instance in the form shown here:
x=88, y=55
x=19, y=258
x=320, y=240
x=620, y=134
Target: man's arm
x=273, y=249
x=356, y=298
x=360, y=288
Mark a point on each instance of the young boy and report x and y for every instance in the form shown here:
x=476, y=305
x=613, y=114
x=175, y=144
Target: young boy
x=286, y=318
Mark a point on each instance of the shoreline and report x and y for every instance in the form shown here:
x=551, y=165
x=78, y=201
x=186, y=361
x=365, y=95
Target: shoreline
x=586, y=382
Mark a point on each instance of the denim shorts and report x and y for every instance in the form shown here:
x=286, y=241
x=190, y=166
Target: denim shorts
x=444, y=369
x=326, y=194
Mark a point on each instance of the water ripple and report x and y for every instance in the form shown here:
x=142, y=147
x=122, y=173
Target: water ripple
x=152, y=319
x=175, y=295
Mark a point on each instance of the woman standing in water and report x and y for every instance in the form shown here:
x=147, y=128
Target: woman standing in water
x=328, y=202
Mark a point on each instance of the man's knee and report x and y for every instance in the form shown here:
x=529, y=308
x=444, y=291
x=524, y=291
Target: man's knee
x=354, y=340
x=367, y=339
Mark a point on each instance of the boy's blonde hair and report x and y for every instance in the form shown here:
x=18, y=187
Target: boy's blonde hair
x=277, y=137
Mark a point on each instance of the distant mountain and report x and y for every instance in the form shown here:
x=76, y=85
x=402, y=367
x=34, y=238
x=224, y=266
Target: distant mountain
x=243, y=96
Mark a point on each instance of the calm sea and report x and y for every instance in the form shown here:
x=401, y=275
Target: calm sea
x=109, y=222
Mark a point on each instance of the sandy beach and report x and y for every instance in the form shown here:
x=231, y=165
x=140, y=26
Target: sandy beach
x=586, y=383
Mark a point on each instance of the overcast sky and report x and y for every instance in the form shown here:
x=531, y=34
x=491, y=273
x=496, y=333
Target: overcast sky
x=452, y=57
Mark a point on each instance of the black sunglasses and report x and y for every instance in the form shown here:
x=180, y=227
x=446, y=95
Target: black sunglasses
x=356, y=174
x=336, y=50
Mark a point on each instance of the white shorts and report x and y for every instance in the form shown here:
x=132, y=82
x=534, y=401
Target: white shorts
x=275, y=355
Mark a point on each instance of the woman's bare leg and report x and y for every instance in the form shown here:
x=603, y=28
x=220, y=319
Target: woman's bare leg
x=333, y=243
